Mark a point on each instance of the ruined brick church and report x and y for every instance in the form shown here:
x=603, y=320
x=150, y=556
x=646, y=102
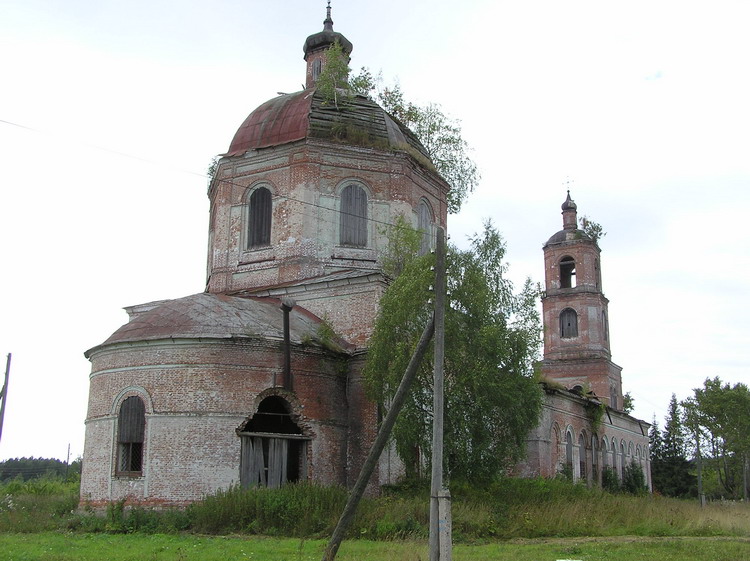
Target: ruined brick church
x=257, y=380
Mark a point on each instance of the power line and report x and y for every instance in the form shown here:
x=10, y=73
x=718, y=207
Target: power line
x=205, y=176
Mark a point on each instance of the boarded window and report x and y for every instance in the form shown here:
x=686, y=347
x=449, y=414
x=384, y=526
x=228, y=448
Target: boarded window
x=131, y=425
x=567, y=272
x=424, y=225
x=259, y=222
x=353, y=216
x=568, y=323
x=317, y=65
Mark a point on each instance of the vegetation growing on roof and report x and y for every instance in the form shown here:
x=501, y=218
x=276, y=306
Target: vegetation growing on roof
x=446, y=150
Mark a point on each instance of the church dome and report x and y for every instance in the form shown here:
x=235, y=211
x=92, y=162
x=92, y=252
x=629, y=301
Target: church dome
x=568, y=235
x=291, y=117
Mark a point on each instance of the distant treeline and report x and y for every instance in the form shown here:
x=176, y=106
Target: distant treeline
x=30, y=468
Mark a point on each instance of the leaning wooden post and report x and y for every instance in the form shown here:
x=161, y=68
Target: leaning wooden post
x=4, y=394
x=439, y=533
x=380, y=441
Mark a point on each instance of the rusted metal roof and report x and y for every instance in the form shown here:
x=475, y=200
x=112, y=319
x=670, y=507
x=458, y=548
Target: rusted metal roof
x=291, y=117
x=278, y=121
x=216, y=316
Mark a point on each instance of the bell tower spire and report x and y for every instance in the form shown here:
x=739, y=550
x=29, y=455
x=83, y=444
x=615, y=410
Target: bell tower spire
x=576, y=321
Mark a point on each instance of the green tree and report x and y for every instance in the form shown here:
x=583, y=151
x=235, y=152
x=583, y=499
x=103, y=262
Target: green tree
x=695, y=437
x=31, y=468
x=440, y=134
x=633, y=479
x=332, y=82
x=592, y=229
x=492, y=337
x=628, y=403
x=725, y=414
x=670, y=469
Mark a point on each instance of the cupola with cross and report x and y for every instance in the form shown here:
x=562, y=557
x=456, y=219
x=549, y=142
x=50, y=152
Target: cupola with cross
x=576, y=324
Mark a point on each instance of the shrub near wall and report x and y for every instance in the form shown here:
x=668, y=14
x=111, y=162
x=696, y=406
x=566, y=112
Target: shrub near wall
x=293, y=510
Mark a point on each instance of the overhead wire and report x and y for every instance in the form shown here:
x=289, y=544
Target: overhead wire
x=207, y=177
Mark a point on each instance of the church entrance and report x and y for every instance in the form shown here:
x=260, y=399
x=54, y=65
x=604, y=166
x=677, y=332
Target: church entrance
x=273, y=450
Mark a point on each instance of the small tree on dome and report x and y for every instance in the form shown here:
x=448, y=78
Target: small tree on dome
x=592, y=229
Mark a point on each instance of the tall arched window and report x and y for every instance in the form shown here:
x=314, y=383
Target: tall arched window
x=595, y=459
x=131, y=425
x=353, y=224
x=569, y=452
x=582, y=458
x=567, y=272
x=568, y=323
x=424, y=225
x=259, y=219
x=604, y=453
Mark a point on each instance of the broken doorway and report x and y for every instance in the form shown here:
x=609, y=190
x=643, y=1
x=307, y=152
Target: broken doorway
x=273, y=450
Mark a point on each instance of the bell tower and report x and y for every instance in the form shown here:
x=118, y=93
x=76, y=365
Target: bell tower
x=576, y=320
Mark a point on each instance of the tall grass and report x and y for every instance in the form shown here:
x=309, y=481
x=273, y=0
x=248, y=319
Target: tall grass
x=297, y=510
x=511, y=508
x=36, y=505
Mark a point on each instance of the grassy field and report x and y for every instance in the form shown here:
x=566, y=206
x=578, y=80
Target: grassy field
x=49, y=546
x=514, y=519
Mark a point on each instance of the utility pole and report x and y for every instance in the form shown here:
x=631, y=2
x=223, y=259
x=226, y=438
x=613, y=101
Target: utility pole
x=440, y=520
x=380, y=441
x=4, y=395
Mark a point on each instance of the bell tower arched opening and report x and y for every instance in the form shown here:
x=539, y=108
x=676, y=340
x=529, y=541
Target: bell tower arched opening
x=567, y=272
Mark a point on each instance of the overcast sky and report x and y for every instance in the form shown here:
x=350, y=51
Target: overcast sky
x=110, y=113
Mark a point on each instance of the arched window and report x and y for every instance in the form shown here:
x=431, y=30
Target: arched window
x=424, y=225
x=259, y=219
x=614, y=454
x=568, y=323
x=353, y=224
x=317, y=66
x=604, y=453
x=594, y=459
x=569, y=452
x=582, y=457
x=131, y=425
x=567, y=272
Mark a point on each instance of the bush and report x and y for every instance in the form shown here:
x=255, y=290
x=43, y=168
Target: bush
x=610, y=481
x=298, y=510
x=633, y=479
